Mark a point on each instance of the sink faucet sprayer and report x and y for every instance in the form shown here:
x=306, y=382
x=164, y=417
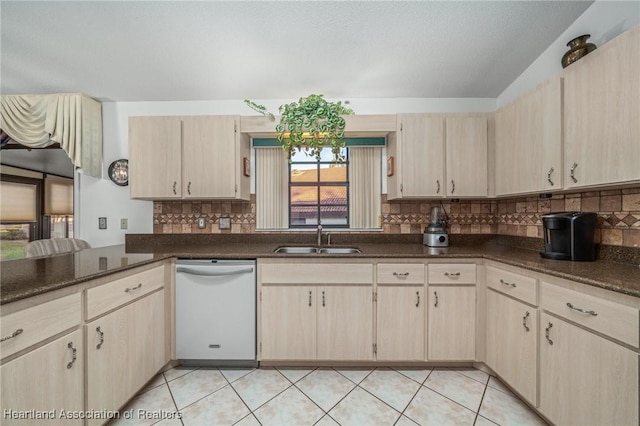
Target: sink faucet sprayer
x=319, y=235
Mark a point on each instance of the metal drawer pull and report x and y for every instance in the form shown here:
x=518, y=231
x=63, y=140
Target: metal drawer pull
x=133, y=288
x=174, y=187
x=506, y=283
x=438, y=190
x=549, y=176
x=309, y=298
x=453, y=186
x=435, y=293
x=401, y=274
x=546, y=333
x=99, y=330
x=583, y=311
x=73, y=355
x=418, y=302
x=524, y=320
x=573, y=171
x=323, y=298
x=189, y=188
x=12, y=335
x=454, y=274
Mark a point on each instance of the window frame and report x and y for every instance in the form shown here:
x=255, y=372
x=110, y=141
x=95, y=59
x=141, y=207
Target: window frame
x=35, y=228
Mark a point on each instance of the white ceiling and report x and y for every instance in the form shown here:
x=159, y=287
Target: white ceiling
x=211, y=50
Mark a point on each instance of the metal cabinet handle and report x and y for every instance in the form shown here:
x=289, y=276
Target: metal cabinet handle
x=524, y=321
x=549, y=176
x=99, y=330
x=174, y=187
x=582, y=311
x=323, y=298
x=546, y=333
x=189, y=188
x=506, y=283
x=453, y=274
x=435, y=293
x=128, y=289
x=418, y=296
x=453, y=186
x=73, y=355
x=12, y=335
x=573, y=170
x=438, y=183
x=309, y=298
x=401, y=275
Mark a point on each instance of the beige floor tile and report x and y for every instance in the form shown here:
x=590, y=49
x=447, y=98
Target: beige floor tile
x=260, y=386
x=249, y=420
x=475, y=374
x=191, y=387
x=361, y=408
x=295, y=374
x=356, y=375
x=326, y=421
x=148, y=408
x=233, y=374
x=291, y=407
x=154, y=383
x=495, y=383
x=456, y=386
x=223, y=407
x=174, y=373
x=391, y=387
x=325, y=387
x=481, y=421
x=505, y=409
x=429, y=408
x=405, y=421
x=417, y=374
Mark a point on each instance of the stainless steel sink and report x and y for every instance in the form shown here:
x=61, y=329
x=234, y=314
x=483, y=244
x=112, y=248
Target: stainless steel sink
x=317, y=250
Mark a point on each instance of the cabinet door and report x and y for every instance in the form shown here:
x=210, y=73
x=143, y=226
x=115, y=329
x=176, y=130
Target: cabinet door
x=466, y=143
x=452, y=323
x=512, y=343
x=421, y=155
x=345, y=323
x=125, y=349
x=400, y=323
x=601, y=110
x=288, y=322
x=210, y=160
x=506, y=155
x=155, y=146
x=45, y=379
x=585, y=379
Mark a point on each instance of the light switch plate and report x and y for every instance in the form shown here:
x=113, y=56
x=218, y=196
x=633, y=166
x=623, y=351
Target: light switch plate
x=102, y=223
x=224, y=222
x=202, y=222
x=124, y=223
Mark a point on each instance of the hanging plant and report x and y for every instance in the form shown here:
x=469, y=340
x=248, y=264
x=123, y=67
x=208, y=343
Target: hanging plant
x=310, y=124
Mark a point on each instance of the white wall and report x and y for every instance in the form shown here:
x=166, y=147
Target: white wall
x=604, y=20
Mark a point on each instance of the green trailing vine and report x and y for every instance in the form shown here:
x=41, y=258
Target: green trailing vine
x=310, y=124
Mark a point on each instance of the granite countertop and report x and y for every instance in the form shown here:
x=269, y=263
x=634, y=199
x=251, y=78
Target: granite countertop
x=28, y=277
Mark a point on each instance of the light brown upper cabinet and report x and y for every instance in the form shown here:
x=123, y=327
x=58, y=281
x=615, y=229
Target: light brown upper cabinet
x=424, y=143
x=601, y=110
x=195, y=157
x=528, y=141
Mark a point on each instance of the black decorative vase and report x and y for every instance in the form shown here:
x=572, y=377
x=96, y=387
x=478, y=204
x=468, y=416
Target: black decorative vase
x=578, y=47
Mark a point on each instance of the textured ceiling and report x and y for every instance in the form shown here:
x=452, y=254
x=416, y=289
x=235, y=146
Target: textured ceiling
x=164, y=51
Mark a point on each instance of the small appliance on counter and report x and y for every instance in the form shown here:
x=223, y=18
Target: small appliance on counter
x=436, y=233
x=569, y=236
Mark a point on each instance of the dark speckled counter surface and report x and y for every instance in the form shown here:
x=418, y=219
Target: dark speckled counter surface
x=28, y=277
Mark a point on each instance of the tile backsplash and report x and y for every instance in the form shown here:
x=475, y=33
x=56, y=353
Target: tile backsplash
x=618, y=215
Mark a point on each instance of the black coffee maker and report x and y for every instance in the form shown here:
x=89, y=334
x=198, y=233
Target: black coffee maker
x=569, y=236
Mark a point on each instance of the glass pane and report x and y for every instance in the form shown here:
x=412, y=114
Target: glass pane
x=18, y=202
x=330, y=195
x=334, y=215
x=58, y=226
x=325, y=155
x=304, y=195
x=13, y=238
x=58, y=196
x=333, y=173
x=304, y=173
x=304, y=215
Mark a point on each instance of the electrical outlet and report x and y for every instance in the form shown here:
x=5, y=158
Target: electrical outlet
x=102, y=223
x=202, y=222
x=224, y=222
x=124, y=223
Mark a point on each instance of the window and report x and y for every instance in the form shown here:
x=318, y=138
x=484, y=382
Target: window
x=319, y=190
x=19, y=206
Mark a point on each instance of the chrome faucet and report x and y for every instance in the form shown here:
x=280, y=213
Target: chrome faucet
x=319, y=235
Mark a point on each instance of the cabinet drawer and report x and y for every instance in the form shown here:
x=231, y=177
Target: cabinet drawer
x=513, y=284
x=39, y=323
x=317, y=273
x=400, y=273
x=109, y=296
x=609, y=318
x=452, y=273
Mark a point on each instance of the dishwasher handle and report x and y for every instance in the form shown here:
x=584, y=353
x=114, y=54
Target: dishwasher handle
x=190, y=271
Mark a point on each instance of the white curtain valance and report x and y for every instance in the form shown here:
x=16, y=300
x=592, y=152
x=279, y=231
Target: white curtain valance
x=72, y=120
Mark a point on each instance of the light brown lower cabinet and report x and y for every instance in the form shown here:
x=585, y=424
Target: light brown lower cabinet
x=400, y=323
x=125, y=349
x=584, y=378
x=451, y=323
x=47, y=380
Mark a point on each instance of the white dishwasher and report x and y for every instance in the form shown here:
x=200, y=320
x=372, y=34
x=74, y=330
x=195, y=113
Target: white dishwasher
x=216, y=312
